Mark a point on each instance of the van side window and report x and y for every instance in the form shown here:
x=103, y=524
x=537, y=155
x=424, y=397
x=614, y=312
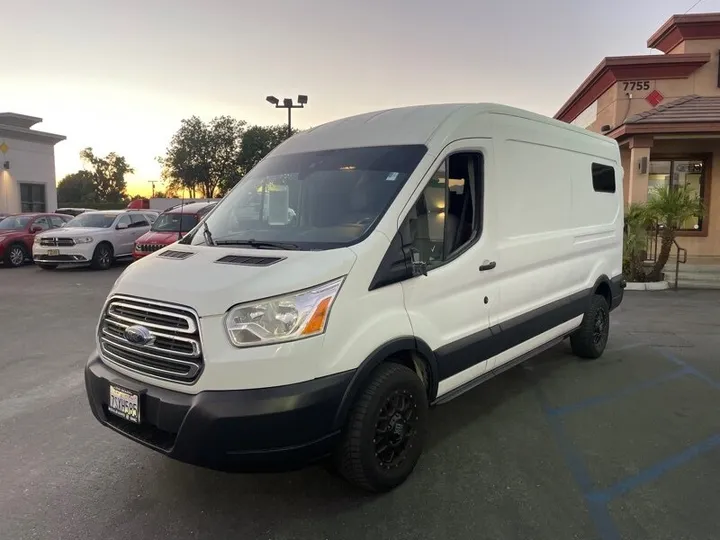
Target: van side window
x=447, y=216
x=603, y=178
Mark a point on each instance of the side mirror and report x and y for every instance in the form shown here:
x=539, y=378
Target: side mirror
x=35, y=229
x=122, y=226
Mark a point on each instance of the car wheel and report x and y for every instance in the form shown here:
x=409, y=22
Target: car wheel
x=16, y=255
x=589, y=341
x=46, y=266
x=383, y=438
x=102, y=257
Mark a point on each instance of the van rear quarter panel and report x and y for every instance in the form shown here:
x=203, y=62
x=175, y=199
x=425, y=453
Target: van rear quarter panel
x=556, y=235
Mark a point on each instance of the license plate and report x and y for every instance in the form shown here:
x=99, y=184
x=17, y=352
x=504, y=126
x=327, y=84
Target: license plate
x=124, y=403
x=53, y=252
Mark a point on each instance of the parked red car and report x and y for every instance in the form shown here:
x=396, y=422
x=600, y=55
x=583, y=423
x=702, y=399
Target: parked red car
x=169, y=227
x=17, y=232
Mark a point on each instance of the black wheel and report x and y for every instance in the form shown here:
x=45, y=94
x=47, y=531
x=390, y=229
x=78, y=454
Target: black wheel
x=16, y=255
x=47, y=266
x=590, y=339
x=383, y=438
x=102, y=257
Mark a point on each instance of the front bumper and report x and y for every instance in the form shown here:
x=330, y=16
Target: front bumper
x=77, y=254
x=268, y=429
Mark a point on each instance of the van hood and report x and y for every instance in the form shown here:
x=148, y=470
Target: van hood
x=211, y=288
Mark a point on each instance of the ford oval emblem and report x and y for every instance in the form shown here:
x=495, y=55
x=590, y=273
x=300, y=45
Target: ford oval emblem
x=139, y=335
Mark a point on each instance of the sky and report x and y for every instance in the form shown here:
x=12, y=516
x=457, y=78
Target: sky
x=121, y=75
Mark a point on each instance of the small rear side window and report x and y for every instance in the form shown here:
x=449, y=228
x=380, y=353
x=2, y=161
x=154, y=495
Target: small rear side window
x=603, y=178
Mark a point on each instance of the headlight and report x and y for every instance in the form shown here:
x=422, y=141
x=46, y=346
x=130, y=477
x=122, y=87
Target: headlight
x=283, y=318
x=36, y=240
x=84, y=240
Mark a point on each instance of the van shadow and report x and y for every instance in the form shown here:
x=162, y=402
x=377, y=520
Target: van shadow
x=315, y=493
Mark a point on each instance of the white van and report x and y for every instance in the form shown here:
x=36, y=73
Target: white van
x=428, y=249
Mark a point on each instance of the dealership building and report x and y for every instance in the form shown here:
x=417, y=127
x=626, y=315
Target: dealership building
x=664, y=111
x=27, y=165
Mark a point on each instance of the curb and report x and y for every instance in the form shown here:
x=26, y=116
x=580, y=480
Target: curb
x=652, y=286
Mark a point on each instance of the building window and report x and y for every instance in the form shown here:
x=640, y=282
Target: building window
x=670, y=173
x=447, y=216
x=32, y=197
x=603, y=178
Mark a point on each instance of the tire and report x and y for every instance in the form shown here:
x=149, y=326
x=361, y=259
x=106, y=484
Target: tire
x=16, y=255
x=589, y=341
x=378, y=461
x=47, y=266
x=102, y=258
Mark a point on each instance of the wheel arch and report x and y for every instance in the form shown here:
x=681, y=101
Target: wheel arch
x=408, y=351
x=603, y=287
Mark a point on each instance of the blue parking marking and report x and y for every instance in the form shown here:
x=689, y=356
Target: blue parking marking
x=627, y=391
x=596, y=500
x=655, y=472
x=597, y=508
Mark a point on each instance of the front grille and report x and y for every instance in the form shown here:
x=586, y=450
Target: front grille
x=175, y=352
x=148, y=248
x=54, y=242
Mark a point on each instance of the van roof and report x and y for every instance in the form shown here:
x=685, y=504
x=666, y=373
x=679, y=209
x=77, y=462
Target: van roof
x=404, y=125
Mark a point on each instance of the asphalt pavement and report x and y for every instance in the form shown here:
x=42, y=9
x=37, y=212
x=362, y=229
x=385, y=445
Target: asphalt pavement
x=625, y=447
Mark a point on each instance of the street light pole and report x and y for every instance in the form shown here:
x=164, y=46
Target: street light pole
x=288, y=104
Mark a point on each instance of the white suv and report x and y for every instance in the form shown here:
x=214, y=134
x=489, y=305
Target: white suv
x=94, y=238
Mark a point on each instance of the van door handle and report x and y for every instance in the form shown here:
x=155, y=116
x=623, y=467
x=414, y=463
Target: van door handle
x=487, y=265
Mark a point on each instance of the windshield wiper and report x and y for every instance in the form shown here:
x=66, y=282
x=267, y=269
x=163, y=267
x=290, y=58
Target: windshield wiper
x=207, y=234
x=259, y=244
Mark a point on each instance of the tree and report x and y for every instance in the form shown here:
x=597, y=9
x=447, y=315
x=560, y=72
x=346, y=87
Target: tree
x=257, y=142
x=669, y=208
x=78, y=187
x=201, y=156
x=108, y=175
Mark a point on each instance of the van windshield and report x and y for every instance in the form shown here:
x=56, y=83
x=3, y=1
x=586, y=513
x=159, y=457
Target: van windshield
x=314, y=200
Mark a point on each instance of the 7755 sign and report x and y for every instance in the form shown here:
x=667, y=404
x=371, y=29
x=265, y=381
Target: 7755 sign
x=632, y=86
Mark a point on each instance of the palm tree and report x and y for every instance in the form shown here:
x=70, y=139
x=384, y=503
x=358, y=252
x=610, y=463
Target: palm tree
x=635, y=241
x=669, y=208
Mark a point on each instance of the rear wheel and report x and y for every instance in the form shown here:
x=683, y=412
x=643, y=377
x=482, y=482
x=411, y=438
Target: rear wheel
x=15, y=255
x=589, y=341
x=383, y=438
x=102, y=257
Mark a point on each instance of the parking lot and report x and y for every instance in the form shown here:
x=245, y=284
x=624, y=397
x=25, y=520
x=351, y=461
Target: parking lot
x=625, y=447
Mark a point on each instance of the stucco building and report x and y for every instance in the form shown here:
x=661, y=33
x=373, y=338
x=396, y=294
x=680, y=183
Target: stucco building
x=664, y=111
x=27, y=165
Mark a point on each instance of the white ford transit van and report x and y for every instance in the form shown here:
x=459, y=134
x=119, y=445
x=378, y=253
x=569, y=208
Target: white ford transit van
x=364, y=270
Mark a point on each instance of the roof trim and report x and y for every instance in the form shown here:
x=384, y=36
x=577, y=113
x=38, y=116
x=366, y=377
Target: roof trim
x=624, y=68
x=665, y=128
x=30, y=135
x=19, y=120
x=679, y=28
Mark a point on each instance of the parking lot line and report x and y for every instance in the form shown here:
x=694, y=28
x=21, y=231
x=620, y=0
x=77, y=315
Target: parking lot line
x=597, y=508
x=656, y=471
x=597, y=500
x=624, y=392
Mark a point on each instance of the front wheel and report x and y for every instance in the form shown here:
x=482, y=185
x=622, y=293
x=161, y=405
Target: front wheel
x=102, y=257
x=383, y=438
x=15, y=256
x=590, y=339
